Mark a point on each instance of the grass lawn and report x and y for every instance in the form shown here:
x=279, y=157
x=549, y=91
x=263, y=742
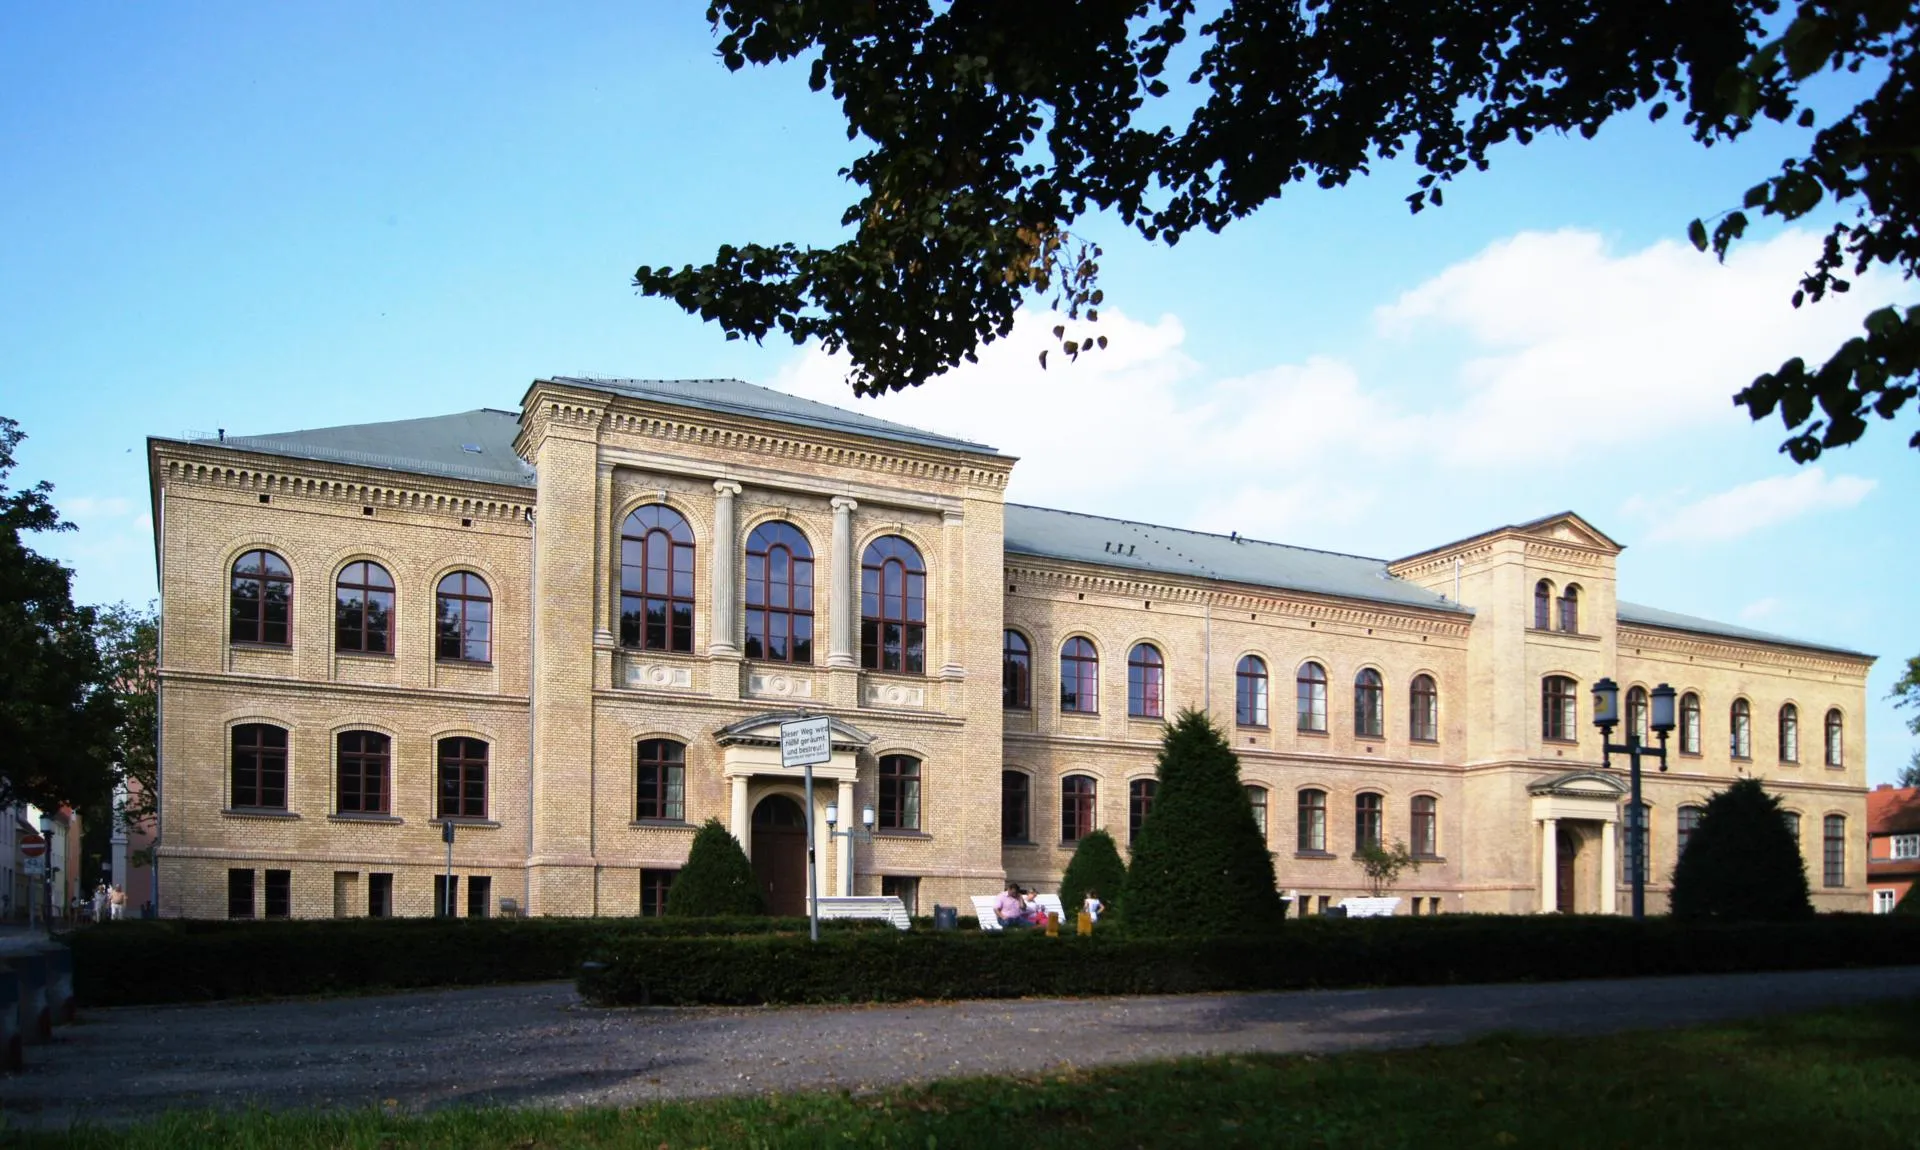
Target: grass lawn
x=1841, y=1078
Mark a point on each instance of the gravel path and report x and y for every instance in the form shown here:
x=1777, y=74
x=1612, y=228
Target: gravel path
x=540, y=1046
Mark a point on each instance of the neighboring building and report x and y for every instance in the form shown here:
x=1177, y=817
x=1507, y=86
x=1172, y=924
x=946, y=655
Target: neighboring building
x=516, y=622
x=1893, y=844
x=132, y=844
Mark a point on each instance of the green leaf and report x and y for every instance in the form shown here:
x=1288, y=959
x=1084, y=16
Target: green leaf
x=1697, y=235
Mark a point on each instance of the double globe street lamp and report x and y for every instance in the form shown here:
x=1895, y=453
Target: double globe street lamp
x=1606, y=716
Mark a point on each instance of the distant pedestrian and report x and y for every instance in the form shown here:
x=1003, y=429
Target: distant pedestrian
x=118, y=901
x=1093, y=906
x=101, y=898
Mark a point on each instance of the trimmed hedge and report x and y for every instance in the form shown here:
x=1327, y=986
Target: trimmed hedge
x=894, y=967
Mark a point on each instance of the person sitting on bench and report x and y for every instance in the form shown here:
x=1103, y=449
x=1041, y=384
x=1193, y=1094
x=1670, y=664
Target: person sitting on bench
x=1010, y=909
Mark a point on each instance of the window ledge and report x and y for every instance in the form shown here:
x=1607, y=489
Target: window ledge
x=1425, y=742
x=482, y=664
x=464, y=821
x=1027, y=843
x=253, y=645
x=1066, y=714
x=371, y=656
x=1133, y=718
x=1358, y=737
x=661, y=824
x=1741, y=758
x=900, y=834
x=1559, y=742
x=1314, y=855
x=1252, y=726
x=1026, y=710
x=1688, y=754
x=1425, y=859
x=359, y=817
x=692, y=656
x=1310, y=733
x=258, y=813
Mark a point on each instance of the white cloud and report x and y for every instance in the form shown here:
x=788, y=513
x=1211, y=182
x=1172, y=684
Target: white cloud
x=1764, y=503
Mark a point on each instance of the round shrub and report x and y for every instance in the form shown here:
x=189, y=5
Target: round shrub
x=1741, y=862
x=717, y=880
x=1095, y=866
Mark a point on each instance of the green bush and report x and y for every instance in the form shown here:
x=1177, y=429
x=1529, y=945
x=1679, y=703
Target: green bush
x=892, y=966
x=1200, y=865
x=1741, y=862
x=1910, y=902
x=717, y=880
x=1095, y=866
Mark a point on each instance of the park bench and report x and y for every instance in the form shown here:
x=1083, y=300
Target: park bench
x=983, y=909
x=1369, y=907
x=886, y=907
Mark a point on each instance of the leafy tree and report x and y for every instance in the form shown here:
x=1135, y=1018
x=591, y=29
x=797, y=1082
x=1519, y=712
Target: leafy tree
x=1906, y=695
x=1200, y=865
x=991, y=130
x=1741, y=861
x=1910, y=902
x=129, y=641
x=1095, y=866
x=1910, y=774
x=1383, y=866
x=717, y=880
x=57, y=719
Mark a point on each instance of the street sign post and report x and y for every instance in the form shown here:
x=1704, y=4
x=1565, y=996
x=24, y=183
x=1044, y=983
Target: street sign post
x=446, y=891
x=803, y=743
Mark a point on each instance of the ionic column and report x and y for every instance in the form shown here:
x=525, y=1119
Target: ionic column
x=955, y=572
x=1609, y=868
x=849, y=820
x=740, y=826
x=721, y=617
x=840, y=600
x=1549, y=865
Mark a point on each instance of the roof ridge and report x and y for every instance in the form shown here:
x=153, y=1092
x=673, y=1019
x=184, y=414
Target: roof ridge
x=1231, y=538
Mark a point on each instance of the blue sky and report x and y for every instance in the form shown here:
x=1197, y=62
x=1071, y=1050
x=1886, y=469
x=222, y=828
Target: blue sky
x=264, y=217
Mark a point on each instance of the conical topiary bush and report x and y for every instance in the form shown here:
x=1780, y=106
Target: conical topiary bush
x=1095, y=866
x=717, y=880
x=1741, y=861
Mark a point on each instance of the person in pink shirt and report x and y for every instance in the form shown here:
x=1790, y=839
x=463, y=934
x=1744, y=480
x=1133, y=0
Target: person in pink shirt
x=1009, y=908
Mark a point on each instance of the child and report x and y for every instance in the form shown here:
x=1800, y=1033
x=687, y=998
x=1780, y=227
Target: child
x=1093, y=906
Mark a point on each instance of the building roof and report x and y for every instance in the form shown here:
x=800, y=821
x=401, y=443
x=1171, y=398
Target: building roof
x=1096, y=539
x=1893, y=810
x=1674, y=621
x=475, y=445
x=736, y=397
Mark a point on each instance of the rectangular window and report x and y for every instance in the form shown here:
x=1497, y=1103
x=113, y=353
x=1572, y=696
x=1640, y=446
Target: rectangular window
x=279, y=894
x=379, y=896
x=899, y=793
x=1015, y=807
x=1426, y=826
x=1883, y=902
x=1835, y=855
x=239, y=894
x=1367, y=809
x=906, y=889
x=1906, y=847
x=654, y=885
x=1313, y=822
x=260, y=766
x=1076, y=808
x=363, y=760
x=660, y=785
x=479, y=896
x=1257, y=799
x=463, y=779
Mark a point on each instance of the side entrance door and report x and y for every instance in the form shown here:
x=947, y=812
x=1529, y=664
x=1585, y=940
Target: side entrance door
x=780, y=855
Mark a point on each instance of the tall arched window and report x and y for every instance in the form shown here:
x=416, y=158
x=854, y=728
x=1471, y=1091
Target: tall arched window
x=1144, y=682
x=1423, y=710
x=1313, y=821
x=1426, y=827
x=1542, y=605
x=1686, y=821
x=1310, y=690
x=1637, y=714
x=463, y=609
x=259, y=767
x=1789, y=733
x=363, y=609
x=660, y=780
x=1016, y=807
x=1016, y=671
x=1740, y=730
x=1689, y=724
x=463, y=779
x=1836, y=740
x=656, y=580
x=261, y=596
x=893, y=607
x=1079, y=677
x=1368, y=814
x=899, y=793
x=1559, y=710
x=779, y=594
x=1570, y=609
x=1140, y=794
x=1250, y=692
x=1369, y=706
x=364, y=760
x=1833, y=854
x=1257, y=799
x=1076, y=807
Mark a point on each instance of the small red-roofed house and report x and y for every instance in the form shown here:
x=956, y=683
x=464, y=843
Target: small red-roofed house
x=1893, y=844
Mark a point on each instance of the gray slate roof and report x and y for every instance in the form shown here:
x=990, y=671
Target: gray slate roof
x=1174, y=551
x=735, y=397
x=1675, y=621
x=476, y=445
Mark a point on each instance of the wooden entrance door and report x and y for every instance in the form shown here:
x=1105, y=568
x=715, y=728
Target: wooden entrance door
x=780, y=855
x=1568, y=849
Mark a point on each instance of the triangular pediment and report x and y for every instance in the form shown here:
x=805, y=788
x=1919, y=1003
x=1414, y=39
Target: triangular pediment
x=1591, y=784
x=1566, y=527
x=764, y=730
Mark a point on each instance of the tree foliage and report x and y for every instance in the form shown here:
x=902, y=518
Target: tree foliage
x=717, y=880
x=1095, y=866
x=1741, y=861
x=992, y=129
x=128, y=638
x=1384, y=865
x=1200, y=865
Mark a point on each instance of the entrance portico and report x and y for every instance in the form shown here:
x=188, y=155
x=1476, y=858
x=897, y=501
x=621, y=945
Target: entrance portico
x=1576, y=813
x=750, y=762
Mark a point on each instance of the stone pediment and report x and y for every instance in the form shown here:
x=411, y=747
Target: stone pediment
x=764, y=731
x=1567, y=527
x=1582, y=784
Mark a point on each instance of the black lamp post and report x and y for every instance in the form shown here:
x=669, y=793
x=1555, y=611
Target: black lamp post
x=1606, y=714
x=46, y=836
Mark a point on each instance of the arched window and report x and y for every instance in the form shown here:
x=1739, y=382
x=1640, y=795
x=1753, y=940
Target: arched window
x=1313, y=821
x=1257, y=799
x=363, y=609
x=364, y=760
x=1079, y=677
x=1637, y=714
x=899, y=793
x=1639, y=845
x=1570, y=609
x=1740, y=730
x=1076, y=807
x=656, y=580
x=660, y=780
x=1833, y=854
x=1686, y=821
x=259, y=767
x=1250, y=692
x=1836, y=741
x=1789, y=733
x=463, y=779
x=779, y=595
x=1423, y=710
x=1369, y=720
x=1140, y=793
x=1144, y=682
x=262, y=593
x=893, y=607
x=1016, y=807
x=1310, y=689
x=1689, y=724
x=1542, y=605
x=464, y=618
x=1368, y=809
x=1559, y=710
x=1016, y=671
x=1426, y=827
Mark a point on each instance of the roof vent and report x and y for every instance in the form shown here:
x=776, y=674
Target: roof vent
x=472, y=449
x=1129, y=548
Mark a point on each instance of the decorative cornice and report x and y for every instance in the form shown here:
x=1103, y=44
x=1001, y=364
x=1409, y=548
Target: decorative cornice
x=1741, y=651
x=207, y=465
x=1411, y=570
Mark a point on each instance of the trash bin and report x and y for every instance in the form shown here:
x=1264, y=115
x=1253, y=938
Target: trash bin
x=945, y=917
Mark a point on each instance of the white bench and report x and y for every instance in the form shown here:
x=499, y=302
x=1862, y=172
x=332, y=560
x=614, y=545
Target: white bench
x=1370, y=907
x=983, y=909
x=883, y=906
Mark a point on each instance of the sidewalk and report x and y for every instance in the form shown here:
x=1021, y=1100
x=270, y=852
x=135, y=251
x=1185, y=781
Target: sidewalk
x=16, y=937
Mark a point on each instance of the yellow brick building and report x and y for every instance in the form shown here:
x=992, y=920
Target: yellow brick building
x=572, y=631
